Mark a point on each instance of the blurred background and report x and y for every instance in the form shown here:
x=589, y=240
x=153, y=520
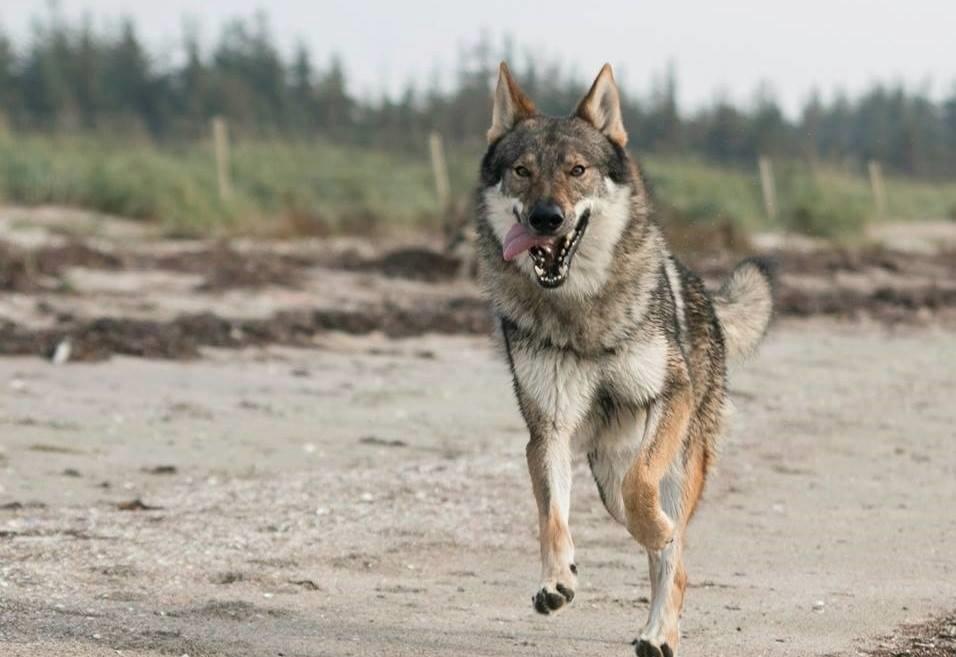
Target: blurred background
x=109, y=106
x=248, y=401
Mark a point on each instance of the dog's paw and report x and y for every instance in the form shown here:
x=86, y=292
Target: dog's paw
x=557, y=587
x=551, y=598
x=645, y=648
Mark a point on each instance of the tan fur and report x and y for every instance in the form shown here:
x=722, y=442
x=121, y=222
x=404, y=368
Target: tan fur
x=624, y=358
x=552, y=494
x=556, y=543
x=646, y=521
x=676, y=603
x=693, y=488
x=554, y=536
x=696, y=473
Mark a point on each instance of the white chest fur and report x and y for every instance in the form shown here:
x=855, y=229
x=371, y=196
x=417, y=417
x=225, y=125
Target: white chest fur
x=639, y=372
x=559, y=382
x=563, y=384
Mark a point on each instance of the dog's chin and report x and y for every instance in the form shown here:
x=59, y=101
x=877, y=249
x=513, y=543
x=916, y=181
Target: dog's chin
x=552, y=264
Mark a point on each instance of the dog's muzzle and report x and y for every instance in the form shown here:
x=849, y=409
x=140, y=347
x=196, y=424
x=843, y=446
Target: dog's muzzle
x=552, y=260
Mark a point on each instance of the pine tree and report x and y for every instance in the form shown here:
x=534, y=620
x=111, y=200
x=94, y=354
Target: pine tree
x=9, y=92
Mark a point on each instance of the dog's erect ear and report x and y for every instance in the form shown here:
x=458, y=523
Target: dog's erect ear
x=511, y=105
x=602, y=107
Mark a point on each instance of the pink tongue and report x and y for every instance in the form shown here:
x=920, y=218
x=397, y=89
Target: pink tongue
x=518, y=240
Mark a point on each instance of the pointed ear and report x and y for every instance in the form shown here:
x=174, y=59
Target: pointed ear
x=511, y=105
x=602, y=107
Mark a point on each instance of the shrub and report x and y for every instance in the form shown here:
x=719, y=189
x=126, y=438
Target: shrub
x=827, y=212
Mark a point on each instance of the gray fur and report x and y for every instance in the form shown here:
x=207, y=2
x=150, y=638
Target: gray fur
x=744, y=306
x=629, y=338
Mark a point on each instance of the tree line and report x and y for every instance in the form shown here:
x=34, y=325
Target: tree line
x=73, y=77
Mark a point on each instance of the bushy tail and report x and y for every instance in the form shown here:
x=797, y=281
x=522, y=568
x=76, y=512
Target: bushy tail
x=744, y=306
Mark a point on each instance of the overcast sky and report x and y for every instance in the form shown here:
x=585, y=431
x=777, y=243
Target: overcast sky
x=727, y=46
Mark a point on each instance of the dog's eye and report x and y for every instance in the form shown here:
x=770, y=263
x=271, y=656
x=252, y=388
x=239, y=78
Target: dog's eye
x=522, y=172
x=577, y=170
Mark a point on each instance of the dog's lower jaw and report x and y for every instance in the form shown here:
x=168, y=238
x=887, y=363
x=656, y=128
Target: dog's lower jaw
x=553, y=270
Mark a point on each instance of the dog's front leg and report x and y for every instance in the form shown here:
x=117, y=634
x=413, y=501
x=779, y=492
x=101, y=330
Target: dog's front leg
x=549, y=462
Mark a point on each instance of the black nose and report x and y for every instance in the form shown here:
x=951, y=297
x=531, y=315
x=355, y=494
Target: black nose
x=546, y=218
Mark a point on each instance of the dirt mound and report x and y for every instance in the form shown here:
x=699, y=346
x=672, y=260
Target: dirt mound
x=54, y=259
x=223, y=267
x=25, y=270
x=99, y=338
x=182, y=338
x=17, y=272
x=875, y=283
x=842, y=260
x=936, y=638
x=413, y=263
x=695, y=240
x=892, y=305
x=830, y=262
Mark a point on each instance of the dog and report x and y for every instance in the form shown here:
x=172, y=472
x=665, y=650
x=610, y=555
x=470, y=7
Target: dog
x=616, y=349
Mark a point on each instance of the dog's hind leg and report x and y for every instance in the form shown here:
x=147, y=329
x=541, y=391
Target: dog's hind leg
x=654, y=501
x=549, y=463
x=665, y=429
x=680, y=490
x=661, y=633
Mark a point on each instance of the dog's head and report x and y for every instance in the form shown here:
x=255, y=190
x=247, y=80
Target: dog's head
x=557, y=190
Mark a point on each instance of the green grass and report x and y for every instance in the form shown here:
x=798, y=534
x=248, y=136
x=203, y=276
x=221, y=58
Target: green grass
x=276, y=186
x=695, y=191
x=282, y=187
x=824, y=201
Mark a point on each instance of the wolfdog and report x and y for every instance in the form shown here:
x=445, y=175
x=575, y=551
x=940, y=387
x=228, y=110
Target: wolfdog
x=616, y=349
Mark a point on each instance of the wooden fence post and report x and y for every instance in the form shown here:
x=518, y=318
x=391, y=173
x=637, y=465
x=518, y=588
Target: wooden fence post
x=220, y=138
x=768, y=187
x=876, y=185
x=440, y=170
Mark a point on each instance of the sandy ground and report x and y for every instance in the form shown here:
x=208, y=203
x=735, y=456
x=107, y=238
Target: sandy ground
x=369, y=497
